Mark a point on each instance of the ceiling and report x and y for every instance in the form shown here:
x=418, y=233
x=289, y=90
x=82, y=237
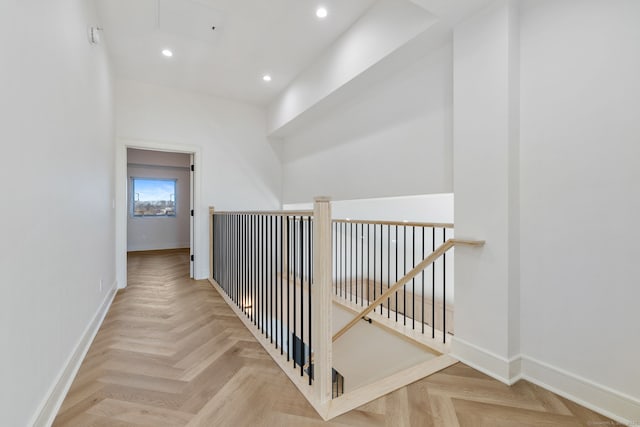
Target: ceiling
x=251, y=38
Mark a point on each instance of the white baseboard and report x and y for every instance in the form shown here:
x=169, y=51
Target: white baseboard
x=50, y=406
x=485, y=361
x=599, y=398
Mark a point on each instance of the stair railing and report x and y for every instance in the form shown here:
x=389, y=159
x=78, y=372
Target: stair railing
x=393, y=290
x=274, y=269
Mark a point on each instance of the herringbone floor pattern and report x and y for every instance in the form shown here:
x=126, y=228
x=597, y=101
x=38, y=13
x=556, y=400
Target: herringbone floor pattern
x=171, y=353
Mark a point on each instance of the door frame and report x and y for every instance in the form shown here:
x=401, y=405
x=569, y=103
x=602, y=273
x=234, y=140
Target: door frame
x=121, y=203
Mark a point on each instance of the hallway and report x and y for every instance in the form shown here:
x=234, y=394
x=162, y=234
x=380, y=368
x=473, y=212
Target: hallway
x=171, y=353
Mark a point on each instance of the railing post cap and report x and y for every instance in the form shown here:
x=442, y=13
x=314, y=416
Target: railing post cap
x=321, y=199
x=211, y=209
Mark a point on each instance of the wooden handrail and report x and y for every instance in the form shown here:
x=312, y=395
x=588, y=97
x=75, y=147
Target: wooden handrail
x=280, y=213
x=405, y=279
x=398, y=223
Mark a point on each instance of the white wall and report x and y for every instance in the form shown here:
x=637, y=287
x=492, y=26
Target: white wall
x=436, y=208
x=392, y=139
x=57, y=221
x=580, y=174
x=546, y=165
x=487, y=315
x=150, y=233
x=238, y=167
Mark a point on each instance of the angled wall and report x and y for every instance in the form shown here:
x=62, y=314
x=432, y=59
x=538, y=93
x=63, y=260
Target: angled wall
x=394, y=138
x=386, y=27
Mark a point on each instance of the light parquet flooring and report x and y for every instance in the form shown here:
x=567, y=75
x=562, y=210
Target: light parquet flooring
x=171, y=353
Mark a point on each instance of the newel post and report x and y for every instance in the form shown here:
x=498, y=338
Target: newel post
x=322, y=298
x=211, y=212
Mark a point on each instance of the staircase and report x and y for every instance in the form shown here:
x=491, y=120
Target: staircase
x=303, y=283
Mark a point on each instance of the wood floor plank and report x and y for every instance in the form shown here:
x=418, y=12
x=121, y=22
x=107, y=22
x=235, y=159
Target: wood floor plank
x=140, y=414
x=420, y=413
x=493, y=415
x=172, y=353
x=444, y=413
x=550, y=402
x=160, y=399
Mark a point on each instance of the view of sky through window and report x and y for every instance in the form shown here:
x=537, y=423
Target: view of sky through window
x=154, y=197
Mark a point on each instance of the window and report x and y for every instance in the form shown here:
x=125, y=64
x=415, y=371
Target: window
x=153, y=197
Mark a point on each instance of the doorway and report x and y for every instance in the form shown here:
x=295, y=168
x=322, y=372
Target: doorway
x=156, y=201
x=159, y=201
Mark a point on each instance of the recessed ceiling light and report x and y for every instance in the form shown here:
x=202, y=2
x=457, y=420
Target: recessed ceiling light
x=321, y=12
x=266, y=78
x=167, y=53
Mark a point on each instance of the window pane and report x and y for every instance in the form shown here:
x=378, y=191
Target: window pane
x=154, y=197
